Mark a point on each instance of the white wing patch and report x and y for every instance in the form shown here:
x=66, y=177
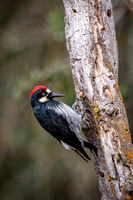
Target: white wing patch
x=66, y=146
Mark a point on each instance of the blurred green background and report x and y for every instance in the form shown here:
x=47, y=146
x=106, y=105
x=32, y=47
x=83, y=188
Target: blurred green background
x=33, y=165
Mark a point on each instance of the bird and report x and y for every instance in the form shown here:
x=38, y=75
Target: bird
x=60, y=120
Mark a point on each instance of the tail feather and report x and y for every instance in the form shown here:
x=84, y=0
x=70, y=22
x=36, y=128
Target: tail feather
x=90, y=146
x=81, y=150
x=82, y=156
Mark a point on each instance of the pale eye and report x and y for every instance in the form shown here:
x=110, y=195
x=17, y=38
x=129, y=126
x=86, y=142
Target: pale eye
x=43, y=94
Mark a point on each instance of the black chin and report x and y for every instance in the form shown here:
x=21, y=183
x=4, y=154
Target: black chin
x=52, y=95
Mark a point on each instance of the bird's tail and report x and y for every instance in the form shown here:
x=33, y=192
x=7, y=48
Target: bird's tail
x=82, y=152
x=81, y=155
x=90, y=146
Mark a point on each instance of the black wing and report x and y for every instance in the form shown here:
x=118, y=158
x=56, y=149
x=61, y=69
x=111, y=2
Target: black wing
x=54, y=121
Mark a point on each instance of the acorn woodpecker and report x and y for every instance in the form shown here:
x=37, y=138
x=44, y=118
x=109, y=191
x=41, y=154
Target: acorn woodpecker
x=61, y=121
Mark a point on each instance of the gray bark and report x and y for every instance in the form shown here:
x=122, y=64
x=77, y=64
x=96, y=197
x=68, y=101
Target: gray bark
x=92, y=46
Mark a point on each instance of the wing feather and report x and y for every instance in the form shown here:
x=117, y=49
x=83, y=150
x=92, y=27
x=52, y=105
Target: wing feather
x=62, y=122
x=72, y=118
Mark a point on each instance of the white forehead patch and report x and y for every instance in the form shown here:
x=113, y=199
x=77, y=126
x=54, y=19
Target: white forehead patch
x=48, y=91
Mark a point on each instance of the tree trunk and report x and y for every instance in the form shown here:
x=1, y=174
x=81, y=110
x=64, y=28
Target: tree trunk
x=92, y=46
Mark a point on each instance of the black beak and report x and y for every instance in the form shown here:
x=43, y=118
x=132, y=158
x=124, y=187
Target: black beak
x=52, y=95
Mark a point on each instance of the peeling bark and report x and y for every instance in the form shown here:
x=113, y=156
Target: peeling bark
x=92, y=46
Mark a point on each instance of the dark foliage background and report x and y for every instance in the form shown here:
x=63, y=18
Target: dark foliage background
x=33, y=165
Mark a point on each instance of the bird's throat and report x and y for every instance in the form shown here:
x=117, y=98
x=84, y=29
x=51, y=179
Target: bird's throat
x=43, y=99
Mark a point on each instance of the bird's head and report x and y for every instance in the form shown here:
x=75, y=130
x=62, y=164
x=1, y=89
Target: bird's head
x=41, y=94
